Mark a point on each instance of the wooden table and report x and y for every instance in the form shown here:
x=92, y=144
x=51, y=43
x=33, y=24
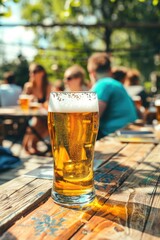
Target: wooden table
x=127, y=204
x=15, y=113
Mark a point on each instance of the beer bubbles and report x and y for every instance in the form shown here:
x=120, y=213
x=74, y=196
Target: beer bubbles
x=73, y=123
x=73, y=102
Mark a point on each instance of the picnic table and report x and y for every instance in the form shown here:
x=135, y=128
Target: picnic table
x=127, y=204
x=17, y=115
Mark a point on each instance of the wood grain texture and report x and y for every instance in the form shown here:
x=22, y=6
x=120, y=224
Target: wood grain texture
x=18, y=195
x=132, y=212
x=107, y=217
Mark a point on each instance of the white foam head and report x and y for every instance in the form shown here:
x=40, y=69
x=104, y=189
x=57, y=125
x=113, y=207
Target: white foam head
x=157, y=102
x=25, y=96
x=73, y=102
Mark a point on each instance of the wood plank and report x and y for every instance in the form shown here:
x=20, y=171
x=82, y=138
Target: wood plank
x=132, y=210
x=50, y=221
x=14, y=192
x=152, y=224
x=102, y=152
x=124, y=163
x=19, y=196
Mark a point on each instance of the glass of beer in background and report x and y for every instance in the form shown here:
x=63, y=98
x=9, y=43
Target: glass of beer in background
x=73, y=123
x=24, y=101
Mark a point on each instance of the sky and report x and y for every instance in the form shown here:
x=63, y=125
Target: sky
x=13, y=38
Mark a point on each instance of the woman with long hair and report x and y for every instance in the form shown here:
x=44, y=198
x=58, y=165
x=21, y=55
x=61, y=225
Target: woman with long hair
x=39, y=88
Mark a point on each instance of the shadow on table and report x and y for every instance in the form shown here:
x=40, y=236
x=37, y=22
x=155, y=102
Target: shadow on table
x=112, y=175
x=125, y=196
x=8, y=236
x=27, y=164
x=115, y=216
x=128, y=196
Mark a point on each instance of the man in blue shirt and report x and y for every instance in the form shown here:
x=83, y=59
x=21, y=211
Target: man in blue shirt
x=116, y=109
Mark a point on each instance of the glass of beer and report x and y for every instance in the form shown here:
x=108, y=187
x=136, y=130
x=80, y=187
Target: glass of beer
x=24, y=101
x=73, y=123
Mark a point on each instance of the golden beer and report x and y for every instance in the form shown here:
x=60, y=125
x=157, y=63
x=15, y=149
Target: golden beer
x=73, y=136
x=24, y=101
x=34, y=106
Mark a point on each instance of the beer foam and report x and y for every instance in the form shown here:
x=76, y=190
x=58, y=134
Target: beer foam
x=157, y=102
x=73, y=102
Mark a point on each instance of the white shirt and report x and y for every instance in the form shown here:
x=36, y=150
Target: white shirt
x=9, y=94
x=134, y=90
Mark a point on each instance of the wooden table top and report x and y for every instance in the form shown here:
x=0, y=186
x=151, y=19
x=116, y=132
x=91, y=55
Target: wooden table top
x=16, y=111
x=127, y=205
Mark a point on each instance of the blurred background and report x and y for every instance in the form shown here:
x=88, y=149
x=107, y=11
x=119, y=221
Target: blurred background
x=58, y=34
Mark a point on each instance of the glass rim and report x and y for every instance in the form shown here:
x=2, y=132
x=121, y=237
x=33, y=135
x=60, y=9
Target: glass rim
x=73, y=102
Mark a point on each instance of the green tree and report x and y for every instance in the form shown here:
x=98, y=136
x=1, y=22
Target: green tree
x=19, y=66
x=5, y=9
x=116, y=24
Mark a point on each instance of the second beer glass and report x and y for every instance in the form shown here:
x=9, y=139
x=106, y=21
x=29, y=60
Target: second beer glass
x=73, y=125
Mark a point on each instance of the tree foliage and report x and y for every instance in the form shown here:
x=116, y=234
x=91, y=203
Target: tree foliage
x=69, y=45
x=5, y=9
x=19, y=66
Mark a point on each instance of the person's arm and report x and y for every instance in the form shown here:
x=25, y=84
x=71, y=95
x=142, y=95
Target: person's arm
x=50, y=88
x=27, y=89
x=102, y=107
x=103, y=93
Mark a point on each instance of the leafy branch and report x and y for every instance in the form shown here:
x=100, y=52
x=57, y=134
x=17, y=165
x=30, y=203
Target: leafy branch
x=5, y=10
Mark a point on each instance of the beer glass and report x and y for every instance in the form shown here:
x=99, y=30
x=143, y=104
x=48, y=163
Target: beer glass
x=24, y=101
x=73, y=126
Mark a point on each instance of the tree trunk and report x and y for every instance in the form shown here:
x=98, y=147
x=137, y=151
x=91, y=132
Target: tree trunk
x=107, y=38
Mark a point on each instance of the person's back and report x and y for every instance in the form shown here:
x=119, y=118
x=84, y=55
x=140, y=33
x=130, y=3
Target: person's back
x=116, y=107
x=9, y=91
x=120, y=109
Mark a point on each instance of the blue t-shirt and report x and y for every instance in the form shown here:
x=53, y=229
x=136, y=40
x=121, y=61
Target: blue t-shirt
x=120, y=109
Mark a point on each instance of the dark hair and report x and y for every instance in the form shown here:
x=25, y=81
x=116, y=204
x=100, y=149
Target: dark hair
x=39, y=68
x=9, y=77
x=99, y=62
x=133, y=76
x=34, y=67
x=119, y=73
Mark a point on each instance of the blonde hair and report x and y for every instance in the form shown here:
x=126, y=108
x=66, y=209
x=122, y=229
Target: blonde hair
x=77, y=71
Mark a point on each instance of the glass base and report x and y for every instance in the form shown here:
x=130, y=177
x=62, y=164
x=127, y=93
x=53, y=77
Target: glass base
x=73, y=201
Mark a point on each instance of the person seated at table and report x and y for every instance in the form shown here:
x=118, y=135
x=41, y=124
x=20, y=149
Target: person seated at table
x=9, y=90
x=39, y=88
x=137, y=92
x=120, y=74
x=116, y=109
x=134, y=87
x=74, y=79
